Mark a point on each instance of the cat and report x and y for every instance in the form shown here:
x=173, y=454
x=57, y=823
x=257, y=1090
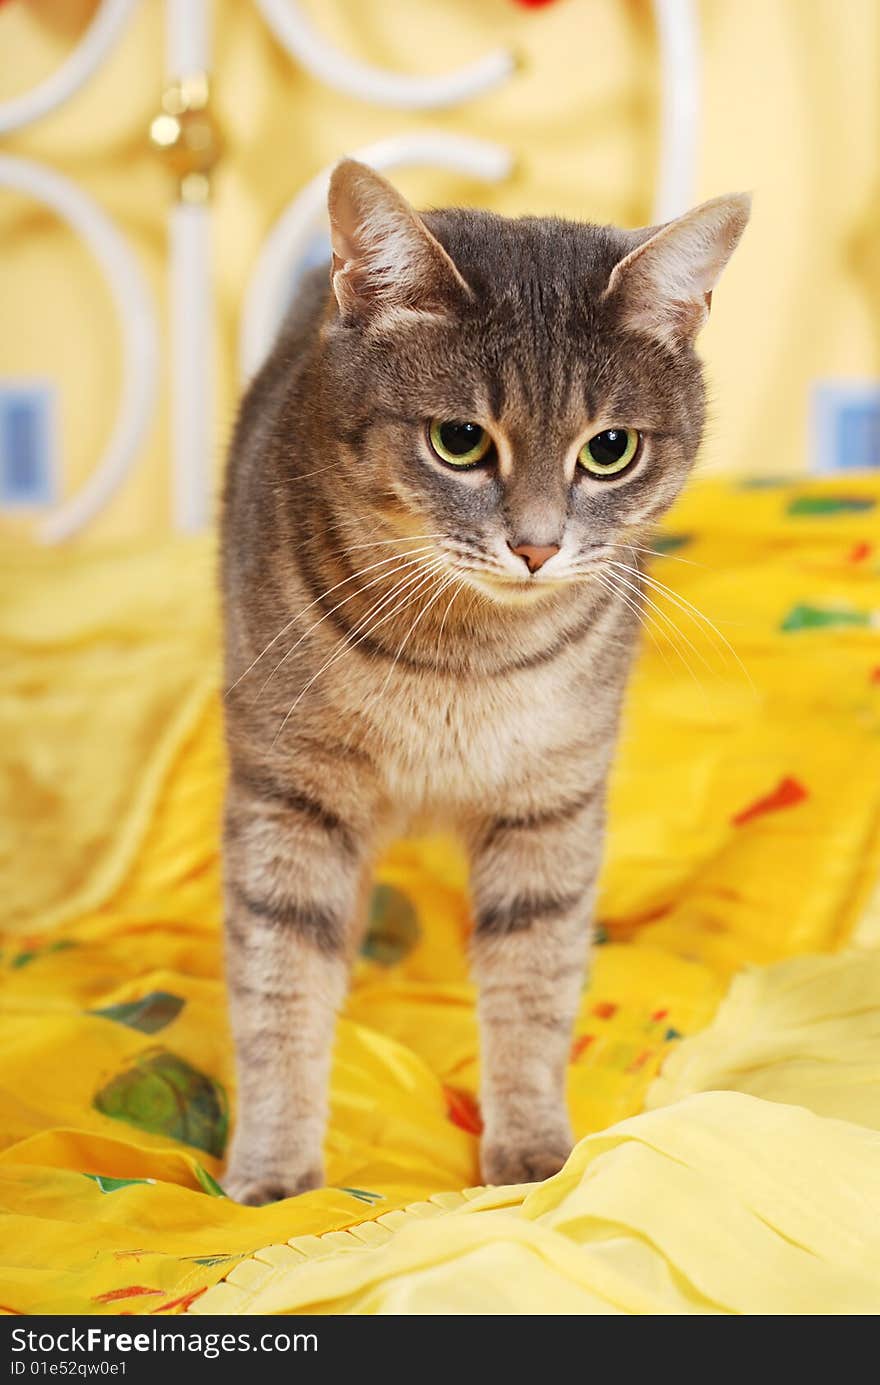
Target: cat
x=439, y=492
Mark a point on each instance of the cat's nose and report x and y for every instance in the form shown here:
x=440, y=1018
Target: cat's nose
x=534, y=555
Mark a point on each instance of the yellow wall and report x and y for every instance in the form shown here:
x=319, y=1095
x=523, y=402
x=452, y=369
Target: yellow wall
x=790, y=110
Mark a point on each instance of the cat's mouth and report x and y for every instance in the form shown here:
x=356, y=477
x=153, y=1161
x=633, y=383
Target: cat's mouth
x=517, y=589
x=520, y=591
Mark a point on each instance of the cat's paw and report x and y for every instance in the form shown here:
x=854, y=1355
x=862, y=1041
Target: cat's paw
x=507, y=1161
x=257, y=1192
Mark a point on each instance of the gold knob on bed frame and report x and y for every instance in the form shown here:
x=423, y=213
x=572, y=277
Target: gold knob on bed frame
x=186, y=135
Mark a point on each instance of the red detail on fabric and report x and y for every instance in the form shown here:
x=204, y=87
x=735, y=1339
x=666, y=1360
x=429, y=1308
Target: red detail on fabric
x=875, y=674
x=182, y=1303
x=581, y=1043
x=787, y=793
x=659, y=1015
x=534, y=4
x=131, y=1291
x=605, y=1009
x=463, y=1110
x=640, y=1060
x=860, y=552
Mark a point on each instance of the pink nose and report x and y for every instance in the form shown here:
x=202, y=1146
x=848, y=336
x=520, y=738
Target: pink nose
x=535, y=555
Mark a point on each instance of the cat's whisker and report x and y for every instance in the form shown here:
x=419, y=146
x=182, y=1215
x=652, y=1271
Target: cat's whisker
x=605, y=580
x=477, y=594
x=413, y=560
x=262, y=654
x=696, y=615
x=319, y=471
x=299, y=614
x=674, y=643
x=675, y=630
x=701, y=615
x=458, y=590
x=411, y=585
x=348, y=644
x=421, y=615
x=401, y=538
x=656, y=553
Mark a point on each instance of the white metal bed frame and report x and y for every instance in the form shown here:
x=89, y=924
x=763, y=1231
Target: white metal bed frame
x=188, y=63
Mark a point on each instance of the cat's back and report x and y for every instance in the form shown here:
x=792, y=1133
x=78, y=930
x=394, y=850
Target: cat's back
x=250, y=536
x=258, y=439
x=258, y=415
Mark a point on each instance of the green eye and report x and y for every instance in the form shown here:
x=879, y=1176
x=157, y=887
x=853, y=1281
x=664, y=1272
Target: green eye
x=609, y=452
x=459, y=444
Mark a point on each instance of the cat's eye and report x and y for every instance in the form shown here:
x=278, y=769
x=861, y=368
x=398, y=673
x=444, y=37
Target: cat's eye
x=610, y=452
x=459, y=444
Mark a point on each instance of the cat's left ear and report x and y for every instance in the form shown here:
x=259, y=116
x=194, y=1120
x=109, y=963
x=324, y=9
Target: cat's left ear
x=664, y=286
x=384, y=256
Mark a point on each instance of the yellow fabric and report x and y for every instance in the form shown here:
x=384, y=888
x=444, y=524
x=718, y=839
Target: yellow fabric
x=805, y=1031
x=798, y=303
x=744, y=829
x=108, y=664
x=721, y=1203
x=709, y=1206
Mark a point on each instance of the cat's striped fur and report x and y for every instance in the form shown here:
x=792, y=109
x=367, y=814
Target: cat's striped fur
x=391, y=663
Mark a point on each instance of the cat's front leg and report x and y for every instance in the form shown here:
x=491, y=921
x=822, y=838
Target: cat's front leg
x=533, y=882
x=294, y=886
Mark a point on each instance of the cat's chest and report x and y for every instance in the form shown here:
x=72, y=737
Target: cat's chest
x=448, y=742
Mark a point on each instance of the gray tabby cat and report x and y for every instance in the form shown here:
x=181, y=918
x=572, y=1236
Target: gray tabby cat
x=433, y=476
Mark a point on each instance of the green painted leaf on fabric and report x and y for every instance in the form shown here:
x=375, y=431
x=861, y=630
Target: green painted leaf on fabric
x=110, y=1185
x=24, y=958
x=830, y=504
x=209, y=1184
x=162, y=1093
x=150, y=1014
x=823, y=618
x=393, y=928
x=364, y=1195
x=671, y=543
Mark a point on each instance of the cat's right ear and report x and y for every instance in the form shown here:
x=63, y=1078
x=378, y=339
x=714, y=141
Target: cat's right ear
x=384, y=256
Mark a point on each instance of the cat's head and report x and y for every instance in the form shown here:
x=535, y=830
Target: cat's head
x=522, y=393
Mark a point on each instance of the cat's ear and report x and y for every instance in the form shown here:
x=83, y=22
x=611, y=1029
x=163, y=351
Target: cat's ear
x=384, y=256
x=664, y=286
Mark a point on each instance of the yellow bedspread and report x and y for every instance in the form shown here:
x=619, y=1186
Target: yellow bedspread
x=745, y=829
